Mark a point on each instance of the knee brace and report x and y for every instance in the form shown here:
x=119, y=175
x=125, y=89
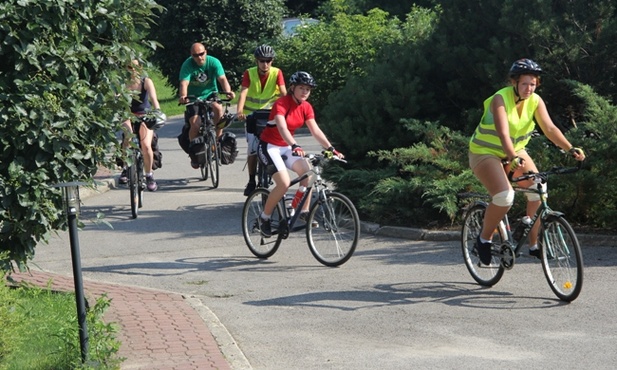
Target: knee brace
x=504, y=199
x=535, y=196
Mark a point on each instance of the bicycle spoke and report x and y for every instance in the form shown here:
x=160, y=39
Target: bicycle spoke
x=487, y=275
x=561, y=258
x=258, y=245
x=333, y=242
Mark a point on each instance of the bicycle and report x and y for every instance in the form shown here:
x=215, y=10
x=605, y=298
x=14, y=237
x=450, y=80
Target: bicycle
x=560, y=251
x=135, y=169
x=208, y=150
x=334, y=239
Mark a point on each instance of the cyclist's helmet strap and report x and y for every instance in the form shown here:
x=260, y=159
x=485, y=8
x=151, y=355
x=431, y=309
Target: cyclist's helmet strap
x=302, y=78
x=264, y=51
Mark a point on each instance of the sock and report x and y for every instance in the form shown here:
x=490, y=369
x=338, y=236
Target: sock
x=533, y=247
x=264, y=216
x=149, y=174
x=485, y=241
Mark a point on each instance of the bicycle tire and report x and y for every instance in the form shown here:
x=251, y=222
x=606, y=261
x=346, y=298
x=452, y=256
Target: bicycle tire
x=485, y=275
x=204, y=171
x=133, y=188
x=562, y=258
x=140, y=178
x=214, y=162
x=263, y=179
x=203, y=166
x=253, y=206
x=334, y=241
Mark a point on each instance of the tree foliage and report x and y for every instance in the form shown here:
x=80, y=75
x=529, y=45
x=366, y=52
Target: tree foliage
x=228, y=29
x=340, y=48
x=445, y=74
x=62, y=73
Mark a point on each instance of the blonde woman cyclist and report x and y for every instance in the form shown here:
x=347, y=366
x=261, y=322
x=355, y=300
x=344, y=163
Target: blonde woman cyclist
x=498, y=146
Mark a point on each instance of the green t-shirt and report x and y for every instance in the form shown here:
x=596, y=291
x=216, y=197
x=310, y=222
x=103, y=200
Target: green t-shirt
x=202, y=79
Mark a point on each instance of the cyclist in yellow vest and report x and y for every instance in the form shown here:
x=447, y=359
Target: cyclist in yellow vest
x=261, y=86
x=498, y=146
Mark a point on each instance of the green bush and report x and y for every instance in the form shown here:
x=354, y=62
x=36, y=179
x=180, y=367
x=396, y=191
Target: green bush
x=228, y=29
x=62, y=97
x=443, y=77
x=342, y=45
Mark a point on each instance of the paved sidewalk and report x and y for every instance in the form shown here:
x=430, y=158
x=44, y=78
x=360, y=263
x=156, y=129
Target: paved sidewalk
x=158, y=330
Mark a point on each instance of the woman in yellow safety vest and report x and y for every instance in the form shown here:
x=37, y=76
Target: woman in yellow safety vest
x=498, y=146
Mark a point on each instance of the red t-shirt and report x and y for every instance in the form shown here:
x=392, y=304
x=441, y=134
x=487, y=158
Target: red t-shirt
x=294, y=114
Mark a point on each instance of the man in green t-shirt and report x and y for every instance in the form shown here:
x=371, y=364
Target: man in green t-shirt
x=200, y=76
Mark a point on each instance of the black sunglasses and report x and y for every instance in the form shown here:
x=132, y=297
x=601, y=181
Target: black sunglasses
x=265, y=60
x=199, y=54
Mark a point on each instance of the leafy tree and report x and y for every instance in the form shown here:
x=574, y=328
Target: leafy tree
x=300, y=7
x=395, y=8
x=227, y=29
x=342, y=47
x=446, y=76
x=62, y=73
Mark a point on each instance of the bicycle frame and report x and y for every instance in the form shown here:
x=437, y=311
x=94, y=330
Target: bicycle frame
x=136, y=168
x=332, y=223
x=542, y=213
x=314, y=175
x=207, y=134
x=558, y=248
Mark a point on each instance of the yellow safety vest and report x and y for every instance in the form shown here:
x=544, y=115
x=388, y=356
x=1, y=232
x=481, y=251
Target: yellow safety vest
x=256, y=98
x=485, y=139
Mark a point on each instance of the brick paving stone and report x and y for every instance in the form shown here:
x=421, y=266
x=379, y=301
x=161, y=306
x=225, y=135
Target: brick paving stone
x=158, y=330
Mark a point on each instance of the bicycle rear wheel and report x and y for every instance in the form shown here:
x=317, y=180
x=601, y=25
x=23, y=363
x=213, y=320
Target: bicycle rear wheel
x=486, y=275
x=253, y=206
x=214, y=159
x=562, y=259
x=133, y=187
x=335, y=239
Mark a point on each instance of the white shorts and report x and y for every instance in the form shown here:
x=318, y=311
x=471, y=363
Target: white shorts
x=273, y=155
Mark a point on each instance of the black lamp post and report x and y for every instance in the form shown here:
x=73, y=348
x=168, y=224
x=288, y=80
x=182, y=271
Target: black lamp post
x=71, y=201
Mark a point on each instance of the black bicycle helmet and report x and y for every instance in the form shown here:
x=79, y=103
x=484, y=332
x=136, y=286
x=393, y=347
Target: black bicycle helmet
x=524, y=66
x=302, y=78
x=264, y=51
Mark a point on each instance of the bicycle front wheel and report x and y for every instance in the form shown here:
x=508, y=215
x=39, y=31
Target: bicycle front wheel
x=562, y=259
x=335, y=239
x=263, y=179
x=214, y=163
x=141, y=180
x=486, y=275
x=133, y=188
x=253, y=207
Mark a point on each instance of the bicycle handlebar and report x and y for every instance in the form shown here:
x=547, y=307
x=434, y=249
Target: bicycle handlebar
x=316, y=159
x=542, y=177
x=212, y=99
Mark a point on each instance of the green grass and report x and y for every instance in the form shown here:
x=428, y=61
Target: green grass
x=39, y=330
x=168, y=99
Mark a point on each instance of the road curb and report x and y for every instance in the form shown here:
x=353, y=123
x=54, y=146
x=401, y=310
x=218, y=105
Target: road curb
x=103, y=184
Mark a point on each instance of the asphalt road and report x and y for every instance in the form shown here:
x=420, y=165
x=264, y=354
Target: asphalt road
x=397, y=304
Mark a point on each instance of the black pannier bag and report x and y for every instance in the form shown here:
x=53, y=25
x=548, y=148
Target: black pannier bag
x=257, y=121
x=229, y=148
